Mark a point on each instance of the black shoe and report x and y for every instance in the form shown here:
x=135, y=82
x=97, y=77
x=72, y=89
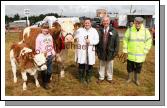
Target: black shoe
x=47, y=87
x=111, y=81
x=81, y=75
x=89, y=75
x=48, y=78
x=99, y=81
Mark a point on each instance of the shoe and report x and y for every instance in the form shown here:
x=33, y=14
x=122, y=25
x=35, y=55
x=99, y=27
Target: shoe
x=136, y=76
x=111, y=81
x=88, y=76
x=99, y=81
x=129, y=77
x=47, y=87
x=137, y=83
x=81, y=76
x=128, y=81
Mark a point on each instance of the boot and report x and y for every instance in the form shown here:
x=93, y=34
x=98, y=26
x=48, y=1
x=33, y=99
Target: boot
x=45, y=80
x=43, y=74
x=136, y=77
x=89, y=74
x=48, y=80
x=81, y=75
x=129, y=77
x=46, y=86
x=49, y=77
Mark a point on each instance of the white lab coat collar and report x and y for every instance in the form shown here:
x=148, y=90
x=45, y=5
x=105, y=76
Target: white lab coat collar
x=88, y=29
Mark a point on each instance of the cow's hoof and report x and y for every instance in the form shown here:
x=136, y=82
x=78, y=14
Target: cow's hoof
x=15, y=80
x=24, y=88
x=62, y=76
x=38, y=86
x=51, y=78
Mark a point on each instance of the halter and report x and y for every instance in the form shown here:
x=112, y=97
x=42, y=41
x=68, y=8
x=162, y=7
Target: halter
x=60, y=35
x=39, y=66
x=69, y=34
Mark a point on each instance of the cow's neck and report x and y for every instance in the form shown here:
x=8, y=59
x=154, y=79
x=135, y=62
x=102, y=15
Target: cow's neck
x=28, y=64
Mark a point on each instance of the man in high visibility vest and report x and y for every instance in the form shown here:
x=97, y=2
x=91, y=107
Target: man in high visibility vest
x=136, y=44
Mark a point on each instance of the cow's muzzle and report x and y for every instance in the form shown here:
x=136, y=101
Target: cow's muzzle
x=41, y=67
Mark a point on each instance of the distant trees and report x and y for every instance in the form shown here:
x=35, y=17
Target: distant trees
x=33, y=19
x=16, y=17
x=6, y=19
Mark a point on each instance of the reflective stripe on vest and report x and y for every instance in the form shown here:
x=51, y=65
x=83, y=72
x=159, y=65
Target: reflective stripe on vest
x=136, y=40
x=136, y=54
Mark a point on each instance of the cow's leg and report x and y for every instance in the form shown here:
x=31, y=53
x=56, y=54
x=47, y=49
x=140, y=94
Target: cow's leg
x=63, y=55
x=24, y=76
x=36, y=80
x=62, y=70
x=62, y=73
x=51, y=78
x=13, y=64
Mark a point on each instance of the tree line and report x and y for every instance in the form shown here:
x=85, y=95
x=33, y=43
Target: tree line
x=33, y=19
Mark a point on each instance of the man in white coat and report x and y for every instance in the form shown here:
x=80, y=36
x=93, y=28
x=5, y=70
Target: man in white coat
x=87, y=38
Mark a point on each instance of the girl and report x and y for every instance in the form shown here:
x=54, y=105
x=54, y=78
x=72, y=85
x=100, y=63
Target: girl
x=44, y=44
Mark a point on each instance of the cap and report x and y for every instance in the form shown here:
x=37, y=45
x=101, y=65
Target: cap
x=139, y=19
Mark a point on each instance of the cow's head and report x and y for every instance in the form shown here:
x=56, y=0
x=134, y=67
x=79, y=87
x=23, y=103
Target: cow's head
x=40, y=60
x=67, y=30
x=27, y=55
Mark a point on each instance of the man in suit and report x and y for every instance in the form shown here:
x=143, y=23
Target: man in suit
x=107, y=49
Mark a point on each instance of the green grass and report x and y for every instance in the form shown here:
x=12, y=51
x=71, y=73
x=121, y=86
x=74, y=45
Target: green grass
x=70, y=86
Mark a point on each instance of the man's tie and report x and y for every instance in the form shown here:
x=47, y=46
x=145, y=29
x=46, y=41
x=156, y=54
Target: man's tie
x=105, y=31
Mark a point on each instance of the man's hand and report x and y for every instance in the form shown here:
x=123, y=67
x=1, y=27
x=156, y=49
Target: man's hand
x=125, y=57
x=87, y=41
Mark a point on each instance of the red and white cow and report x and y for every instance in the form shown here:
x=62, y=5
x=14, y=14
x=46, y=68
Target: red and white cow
x=28, y=61
x=61, y=33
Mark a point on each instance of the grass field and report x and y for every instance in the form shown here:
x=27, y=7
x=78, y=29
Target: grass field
x=70, y=86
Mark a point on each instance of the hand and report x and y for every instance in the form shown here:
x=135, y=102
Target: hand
x=87, y=41
x=125, y=57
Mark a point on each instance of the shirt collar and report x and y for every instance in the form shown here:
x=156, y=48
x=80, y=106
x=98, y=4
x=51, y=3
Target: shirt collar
x=106, y=29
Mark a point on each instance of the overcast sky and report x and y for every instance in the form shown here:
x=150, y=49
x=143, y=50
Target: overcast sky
x=71, y=10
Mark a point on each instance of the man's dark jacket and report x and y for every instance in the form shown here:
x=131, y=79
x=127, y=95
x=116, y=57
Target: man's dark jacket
x=112, y=47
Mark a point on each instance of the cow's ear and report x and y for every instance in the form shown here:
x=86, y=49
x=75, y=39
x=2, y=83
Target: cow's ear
x=34, y=52
x=30, y=55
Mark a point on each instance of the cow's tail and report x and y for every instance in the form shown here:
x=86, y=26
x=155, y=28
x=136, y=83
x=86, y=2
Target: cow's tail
x=13, y=64
x=21, y=35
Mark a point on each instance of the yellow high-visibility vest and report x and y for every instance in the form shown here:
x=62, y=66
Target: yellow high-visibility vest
x=137, y=43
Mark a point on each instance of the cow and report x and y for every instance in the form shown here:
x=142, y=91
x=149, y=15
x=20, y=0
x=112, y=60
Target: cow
x=28, y=61
x=62, y=34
